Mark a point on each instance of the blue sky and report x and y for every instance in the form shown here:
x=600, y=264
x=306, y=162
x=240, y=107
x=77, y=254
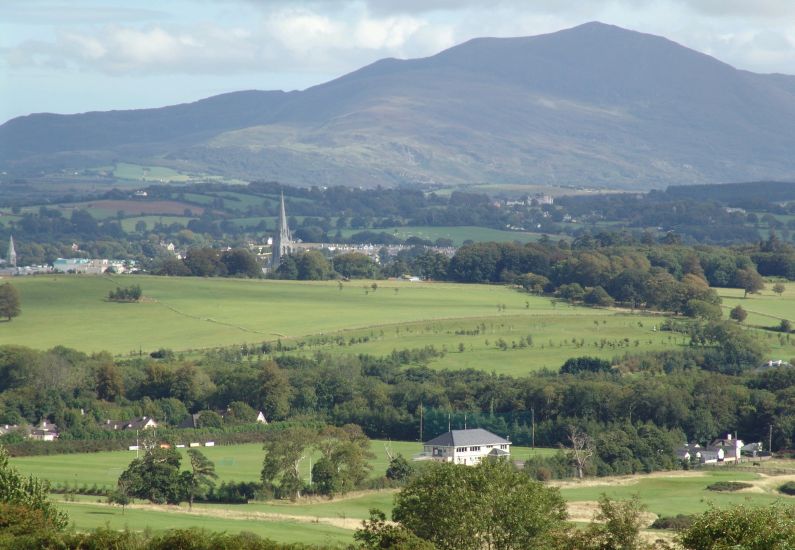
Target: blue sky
x=70, y=56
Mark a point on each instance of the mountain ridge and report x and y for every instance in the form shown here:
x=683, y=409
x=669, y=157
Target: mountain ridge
x=594, y=104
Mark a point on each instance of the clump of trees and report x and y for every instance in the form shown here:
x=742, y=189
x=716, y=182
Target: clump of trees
x=157, y=476
x=342, y=467
x=131, y=293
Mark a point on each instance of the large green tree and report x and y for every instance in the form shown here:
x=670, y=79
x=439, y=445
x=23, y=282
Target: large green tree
x=344, y=464
x=200, y=479
x=10, y=304
x=155, y=476
x=492, y=505
x=284, y=451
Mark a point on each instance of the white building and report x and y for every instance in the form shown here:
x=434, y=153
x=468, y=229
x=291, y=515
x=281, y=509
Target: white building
x=466, y=447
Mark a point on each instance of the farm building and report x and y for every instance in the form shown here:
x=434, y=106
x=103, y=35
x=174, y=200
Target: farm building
x=465, y=447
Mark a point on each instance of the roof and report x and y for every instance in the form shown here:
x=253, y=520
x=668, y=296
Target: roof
x=460, y=438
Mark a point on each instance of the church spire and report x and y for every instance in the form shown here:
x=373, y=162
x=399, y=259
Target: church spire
x=282, y=241
x=11, y=255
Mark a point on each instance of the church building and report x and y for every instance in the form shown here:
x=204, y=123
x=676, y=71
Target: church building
x=282, y=241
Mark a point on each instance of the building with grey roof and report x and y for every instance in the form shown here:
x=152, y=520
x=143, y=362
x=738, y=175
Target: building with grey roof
x=466, y=447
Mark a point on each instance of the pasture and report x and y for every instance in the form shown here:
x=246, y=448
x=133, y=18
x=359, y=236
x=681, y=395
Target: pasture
x=765, y=309
x=192, y=313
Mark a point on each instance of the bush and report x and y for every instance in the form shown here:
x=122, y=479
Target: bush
x=788, y=488
x=677, y=522
x=728, y=486
x=127, y=294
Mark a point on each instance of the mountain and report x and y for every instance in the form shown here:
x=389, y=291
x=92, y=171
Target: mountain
x=595, y=104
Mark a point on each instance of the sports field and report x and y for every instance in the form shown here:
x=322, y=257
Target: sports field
x=194, y=313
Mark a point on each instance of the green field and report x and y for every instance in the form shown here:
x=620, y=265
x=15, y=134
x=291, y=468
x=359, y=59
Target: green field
x=764, y=309
x=457, y=234
x=321, y=520
x=556, y=336
x=232, y=463
x=312, y=521
x=86, y=515
x=672, y=494
x=194, y=313
x=128, y=224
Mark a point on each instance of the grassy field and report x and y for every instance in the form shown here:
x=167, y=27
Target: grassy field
x=194, y=313
x=321, y=520
x=232, y=463
x=669, y=494
x=764, y=309
x=88, y=515
x=457, y=234
x=128, y=224
x=556, y=336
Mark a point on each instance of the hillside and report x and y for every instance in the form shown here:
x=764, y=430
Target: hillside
x=595, y=104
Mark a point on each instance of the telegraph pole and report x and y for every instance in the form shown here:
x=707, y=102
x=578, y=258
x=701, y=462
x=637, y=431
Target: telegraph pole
x=533, y=423
x=770, y=441
x=421, y=439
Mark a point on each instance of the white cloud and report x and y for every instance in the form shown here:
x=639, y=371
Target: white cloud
x=291, y=37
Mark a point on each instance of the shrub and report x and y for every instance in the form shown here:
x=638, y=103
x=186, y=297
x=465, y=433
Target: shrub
x=677, y=522
x=788, y=488
x=728, y=486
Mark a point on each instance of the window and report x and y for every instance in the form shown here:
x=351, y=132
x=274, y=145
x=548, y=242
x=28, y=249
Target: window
x=461, y=449
x=473, y=449
x=503, y=447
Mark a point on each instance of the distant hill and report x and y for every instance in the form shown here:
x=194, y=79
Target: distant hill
x=595, y=105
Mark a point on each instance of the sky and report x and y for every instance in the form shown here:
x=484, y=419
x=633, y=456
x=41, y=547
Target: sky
x=67, y=56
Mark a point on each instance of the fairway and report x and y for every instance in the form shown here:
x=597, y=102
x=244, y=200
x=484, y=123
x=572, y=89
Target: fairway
x=188, y=313
x=672, y=493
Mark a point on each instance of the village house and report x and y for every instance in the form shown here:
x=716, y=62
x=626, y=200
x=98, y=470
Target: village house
x=468, y=447
x=726, y=450
x=192, y=420
x=45, y=431
x=138, y=423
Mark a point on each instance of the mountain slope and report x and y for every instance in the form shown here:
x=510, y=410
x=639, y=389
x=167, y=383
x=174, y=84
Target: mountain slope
x=595, y=104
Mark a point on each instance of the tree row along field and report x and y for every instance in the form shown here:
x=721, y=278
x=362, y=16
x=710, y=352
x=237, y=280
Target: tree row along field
x=323, y=520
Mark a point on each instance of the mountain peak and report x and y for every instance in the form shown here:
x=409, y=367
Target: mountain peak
x=593, y=104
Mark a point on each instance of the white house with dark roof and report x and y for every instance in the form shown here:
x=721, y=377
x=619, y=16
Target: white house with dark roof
x=466, y=447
